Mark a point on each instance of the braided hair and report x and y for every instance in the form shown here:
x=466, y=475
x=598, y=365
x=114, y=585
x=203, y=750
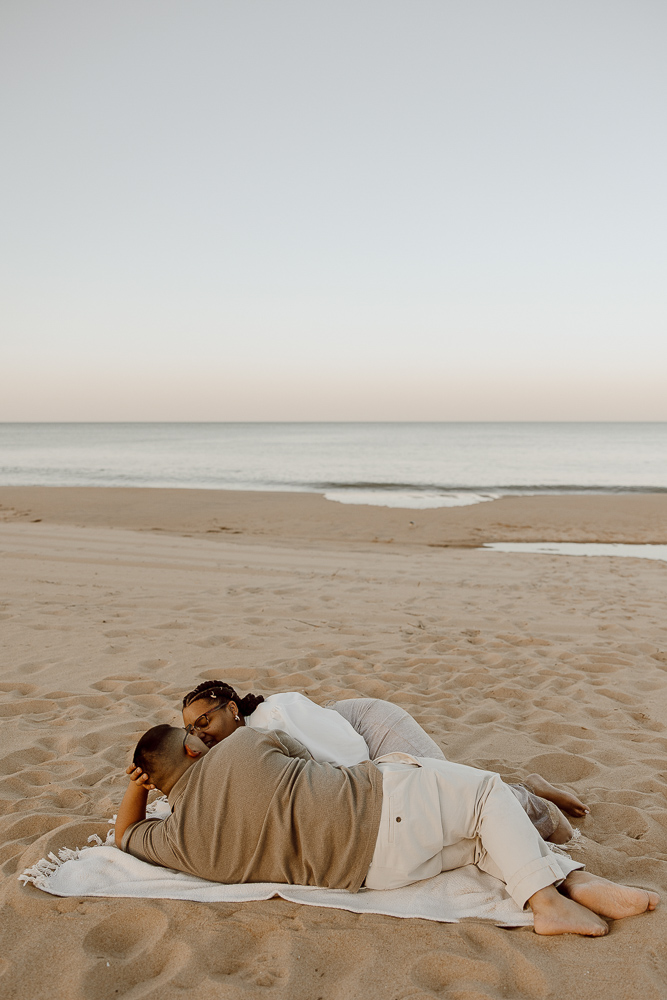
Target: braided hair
x=219, y=691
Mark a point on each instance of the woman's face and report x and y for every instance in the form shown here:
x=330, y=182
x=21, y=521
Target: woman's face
x=221, y=723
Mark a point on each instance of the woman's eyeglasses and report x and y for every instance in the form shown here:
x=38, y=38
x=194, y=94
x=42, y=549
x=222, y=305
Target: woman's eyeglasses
x=204, y=721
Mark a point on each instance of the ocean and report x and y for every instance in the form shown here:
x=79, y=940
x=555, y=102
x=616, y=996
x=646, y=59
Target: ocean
x=416, y=465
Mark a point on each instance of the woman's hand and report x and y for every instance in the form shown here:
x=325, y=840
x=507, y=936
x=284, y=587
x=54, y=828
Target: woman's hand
x=140, y=778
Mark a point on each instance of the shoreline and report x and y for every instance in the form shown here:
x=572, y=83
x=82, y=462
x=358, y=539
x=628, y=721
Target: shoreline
x=252, y=516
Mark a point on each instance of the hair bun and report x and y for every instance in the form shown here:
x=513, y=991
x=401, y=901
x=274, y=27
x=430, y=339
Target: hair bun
x=247, y=705
x=220, y=691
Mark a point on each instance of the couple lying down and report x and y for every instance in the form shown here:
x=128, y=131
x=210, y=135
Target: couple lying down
x=294, y=798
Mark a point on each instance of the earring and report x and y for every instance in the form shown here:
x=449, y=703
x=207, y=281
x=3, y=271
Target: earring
x=237, y=718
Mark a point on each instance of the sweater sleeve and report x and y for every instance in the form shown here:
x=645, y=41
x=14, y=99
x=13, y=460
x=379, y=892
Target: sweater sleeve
x=292, y=747
x=148, y=841
x=327, y=735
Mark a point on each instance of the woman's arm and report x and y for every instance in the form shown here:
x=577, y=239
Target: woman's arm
x=327, y=735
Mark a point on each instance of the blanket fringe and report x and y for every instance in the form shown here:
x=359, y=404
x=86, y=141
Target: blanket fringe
x=575, y=843
x=39, y=873
x=155, y=805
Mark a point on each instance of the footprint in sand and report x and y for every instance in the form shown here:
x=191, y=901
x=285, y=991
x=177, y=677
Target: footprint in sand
x=463, y=969
x=29, y=828
x=20, y=759
x=553, y=733
x=235, y=950
x=562, y=767
x=212, y=641
x=31, y=707
x=372, y=688
x=134, y=956
x=109, y=685
x=140, y=928
x=22, y=689
x=26, y=839
x=37, y=778
x=236, y=675
x=67, y=798
x=614, y=817
x=140, y=687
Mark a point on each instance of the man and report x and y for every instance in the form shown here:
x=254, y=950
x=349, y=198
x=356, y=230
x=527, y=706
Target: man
x=258, y=808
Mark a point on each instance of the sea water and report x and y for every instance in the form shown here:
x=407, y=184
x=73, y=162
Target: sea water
x=634, y=551
x=416, y=465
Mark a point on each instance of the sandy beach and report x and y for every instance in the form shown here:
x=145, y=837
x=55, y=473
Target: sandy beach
x=117, y=601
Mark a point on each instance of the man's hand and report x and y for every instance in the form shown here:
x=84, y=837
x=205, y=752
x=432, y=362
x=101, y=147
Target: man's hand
x=140, y=777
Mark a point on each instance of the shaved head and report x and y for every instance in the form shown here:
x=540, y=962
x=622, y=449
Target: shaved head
x=160, y=753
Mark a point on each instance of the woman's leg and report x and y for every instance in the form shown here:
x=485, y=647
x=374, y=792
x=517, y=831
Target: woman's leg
x=388, y=728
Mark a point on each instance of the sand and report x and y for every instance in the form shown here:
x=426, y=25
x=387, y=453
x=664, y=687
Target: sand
x=115, y=602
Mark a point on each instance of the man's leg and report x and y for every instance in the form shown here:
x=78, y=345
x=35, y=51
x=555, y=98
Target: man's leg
x=506, y=844
x=480, y=821
x=443, y=815
x=581, y=897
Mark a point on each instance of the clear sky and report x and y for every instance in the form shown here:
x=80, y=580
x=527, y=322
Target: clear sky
x=352, y=209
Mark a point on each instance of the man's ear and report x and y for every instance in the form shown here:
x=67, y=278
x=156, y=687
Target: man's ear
x=194, y=747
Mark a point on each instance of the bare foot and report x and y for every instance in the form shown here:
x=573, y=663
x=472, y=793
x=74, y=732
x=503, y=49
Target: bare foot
x=567, y=801
x=563, y=831
x=607, y=898
x=555, y=914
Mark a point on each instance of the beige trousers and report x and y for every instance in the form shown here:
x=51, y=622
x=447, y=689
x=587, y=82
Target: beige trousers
x=437, y=815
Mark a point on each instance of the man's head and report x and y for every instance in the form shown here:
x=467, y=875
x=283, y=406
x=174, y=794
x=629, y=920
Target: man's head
x=164, y=757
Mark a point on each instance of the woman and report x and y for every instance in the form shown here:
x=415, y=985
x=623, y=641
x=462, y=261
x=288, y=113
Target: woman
x=347, y=732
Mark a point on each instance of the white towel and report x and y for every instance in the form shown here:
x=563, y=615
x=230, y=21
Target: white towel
x=104, y=870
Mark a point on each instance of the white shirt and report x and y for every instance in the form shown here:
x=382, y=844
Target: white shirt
x=326, y=734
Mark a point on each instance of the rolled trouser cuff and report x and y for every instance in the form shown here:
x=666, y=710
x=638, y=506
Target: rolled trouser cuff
x=538, y=874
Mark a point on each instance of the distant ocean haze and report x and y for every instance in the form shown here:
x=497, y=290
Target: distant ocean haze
x=415, y=465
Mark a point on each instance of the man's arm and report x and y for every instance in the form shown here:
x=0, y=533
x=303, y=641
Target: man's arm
x=132, y=809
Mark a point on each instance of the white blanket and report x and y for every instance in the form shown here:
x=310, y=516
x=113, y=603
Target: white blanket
x=104, y=870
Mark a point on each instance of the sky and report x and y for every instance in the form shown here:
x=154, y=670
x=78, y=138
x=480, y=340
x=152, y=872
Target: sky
x=349, y=210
